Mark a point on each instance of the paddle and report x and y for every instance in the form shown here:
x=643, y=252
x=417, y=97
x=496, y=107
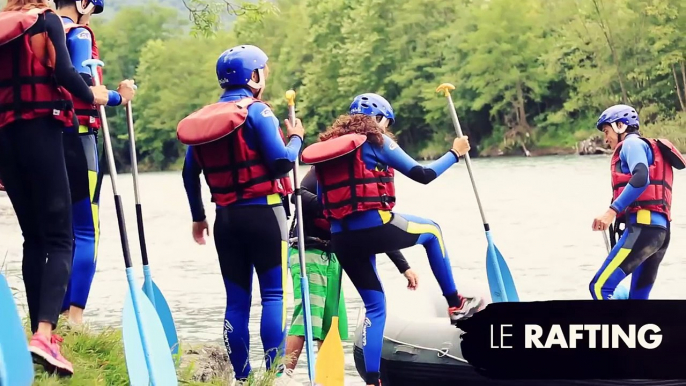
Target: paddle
x=304, y=284
x=331, y=359
x=149, y=287
x=499, y=277
x=16, y=365
x=148, y=358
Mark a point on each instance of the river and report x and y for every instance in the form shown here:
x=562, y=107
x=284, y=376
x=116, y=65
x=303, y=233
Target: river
x=540, y=210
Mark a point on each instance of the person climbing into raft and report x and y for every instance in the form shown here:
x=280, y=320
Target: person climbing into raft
x=36, y=81
x=355, y=162
x=642, y=180
x=239, y=147
x=81, y=153
x=323, y=274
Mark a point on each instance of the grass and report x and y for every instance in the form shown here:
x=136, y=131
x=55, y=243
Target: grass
x=98, y=359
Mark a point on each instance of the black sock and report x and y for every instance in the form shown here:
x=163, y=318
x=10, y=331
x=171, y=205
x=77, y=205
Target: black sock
x=454, y=300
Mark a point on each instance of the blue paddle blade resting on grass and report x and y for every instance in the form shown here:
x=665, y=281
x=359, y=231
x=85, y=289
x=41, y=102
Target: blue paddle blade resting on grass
x=149, y=287
x=164, y=312
x=16, y=365
x=148, y=358
x=160, y=360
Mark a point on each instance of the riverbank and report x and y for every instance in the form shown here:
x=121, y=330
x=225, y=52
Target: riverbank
x=98, y=359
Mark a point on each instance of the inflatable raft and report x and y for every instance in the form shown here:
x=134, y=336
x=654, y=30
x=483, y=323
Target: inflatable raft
x=421, y=348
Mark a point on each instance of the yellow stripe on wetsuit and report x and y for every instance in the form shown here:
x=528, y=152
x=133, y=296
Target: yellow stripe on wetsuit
x=643, y=217
x=92, y=185
x=416, y=228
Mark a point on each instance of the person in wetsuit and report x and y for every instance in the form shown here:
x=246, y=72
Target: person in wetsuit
x=642, y=180
x=36, y=80
x=323, y=274
x=81, y=152
x=355, y=162
x=241, y=151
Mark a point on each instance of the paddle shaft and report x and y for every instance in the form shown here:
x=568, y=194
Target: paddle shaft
x=607, y=242
x=492, y=258
x=304, y=285
x=458, y=130
x=122, y=225
x=298, y=204
x=134, y=172
x=113, y=173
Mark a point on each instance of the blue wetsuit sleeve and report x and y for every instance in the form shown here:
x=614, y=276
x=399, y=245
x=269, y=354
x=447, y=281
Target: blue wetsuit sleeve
x=395, y=157
x=635, y=154
x=191, y=182
x=80, y=45
x=280, y=158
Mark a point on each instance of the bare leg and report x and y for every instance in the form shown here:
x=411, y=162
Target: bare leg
x=294, y=346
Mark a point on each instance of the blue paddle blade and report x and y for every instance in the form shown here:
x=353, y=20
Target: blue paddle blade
x=16, y=366
x=164, y=312
x=510, y=288
x=147, y=284
x=307, y=318
x=159, y=366
x=500, y=279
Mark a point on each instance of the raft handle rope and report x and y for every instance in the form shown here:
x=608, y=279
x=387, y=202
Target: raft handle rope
x=440, y=353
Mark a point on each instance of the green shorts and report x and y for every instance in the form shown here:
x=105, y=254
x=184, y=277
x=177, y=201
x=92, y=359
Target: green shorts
x=323, y=275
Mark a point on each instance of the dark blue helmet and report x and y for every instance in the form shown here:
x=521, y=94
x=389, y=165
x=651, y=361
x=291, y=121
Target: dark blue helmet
x=235, y=66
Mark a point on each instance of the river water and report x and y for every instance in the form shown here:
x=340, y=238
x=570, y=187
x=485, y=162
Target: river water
x=540, y=210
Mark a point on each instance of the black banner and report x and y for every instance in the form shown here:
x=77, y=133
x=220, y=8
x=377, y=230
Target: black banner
x=580, y=339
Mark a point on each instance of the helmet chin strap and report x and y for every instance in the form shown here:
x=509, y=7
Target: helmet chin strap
x=259, y=86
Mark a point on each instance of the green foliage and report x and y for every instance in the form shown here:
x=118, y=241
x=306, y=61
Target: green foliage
x=533, y=72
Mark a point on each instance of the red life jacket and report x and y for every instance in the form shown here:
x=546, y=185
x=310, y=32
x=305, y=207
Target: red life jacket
x=88, y=114
x=28, y=87
x=232, y=170
x=658, y=195
x=347, y=186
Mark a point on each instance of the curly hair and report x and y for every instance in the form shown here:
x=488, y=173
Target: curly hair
x=356, y=123
x=19, y=5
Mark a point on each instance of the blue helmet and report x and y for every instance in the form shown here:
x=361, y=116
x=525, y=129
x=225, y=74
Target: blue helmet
x=235, y=66
x=618, y=113
x=372, y=105
x=97, y=6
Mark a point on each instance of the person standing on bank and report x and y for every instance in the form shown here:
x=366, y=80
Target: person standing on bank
x=81, y=152
x=642, y=180
x=34, y=109
x=239, y=147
